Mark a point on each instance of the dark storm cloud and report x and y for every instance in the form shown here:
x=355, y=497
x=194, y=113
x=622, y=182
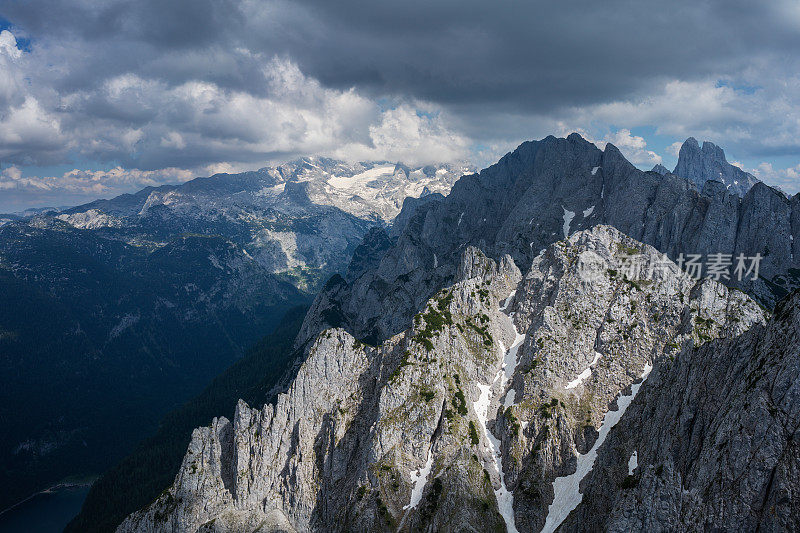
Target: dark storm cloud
x=527, y=55
x=174, y=40
x=535, y=55
x=194, y=84
x=173, y=23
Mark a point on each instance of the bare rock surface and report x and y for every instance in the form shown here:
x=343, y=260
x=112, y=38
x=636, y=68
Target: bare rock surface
x=715, y=432
x=462, y=421
x=546, y=190
x=701, y=164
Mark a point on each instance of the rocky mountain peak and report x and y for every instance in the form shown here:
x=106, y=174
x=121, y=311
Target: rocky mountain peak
x=713, y=435
x=691, y=144
x=297, y=192
x=714, y=152
x=660, y=169
x=546, y=190
x=699, y=165
x=402, y=170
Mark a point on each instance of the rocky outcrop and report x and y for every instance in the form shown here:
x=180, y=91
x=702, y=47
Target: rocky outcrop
x=463, y=420
x=549, y=189
x=699, y=165
x=660, y=169
x=715, y=434
x=368, y=254
x=482, y=370
x=410, y=207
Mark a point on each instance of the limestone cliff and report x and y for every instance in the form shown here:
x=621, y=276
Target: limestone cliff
x=462, y=421
x=714, y=434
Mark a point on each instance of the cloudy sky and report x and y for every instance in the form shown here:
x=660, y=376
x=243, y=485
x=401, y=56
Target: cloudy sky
x=99, y=97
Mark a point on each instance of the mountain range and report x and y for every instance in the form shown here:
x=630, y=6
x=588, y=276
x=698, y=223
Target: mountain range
x=117, y=311
x=489, y=363
x=543, y=192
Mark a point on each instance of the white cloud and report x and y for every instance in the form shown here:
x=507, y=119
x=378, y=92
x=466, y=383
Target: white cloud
x=633, y=147
x=787, y=179
x=764, y=169
x=173, y=140
x=674, y=148
x=8, y=45
x=681, y=108
x=763, y=117
x=11, y=178
x=206, y=128
x=150, y=124
x=29, y=127
x=12, y=87
x=404, y=134
x=97, y=182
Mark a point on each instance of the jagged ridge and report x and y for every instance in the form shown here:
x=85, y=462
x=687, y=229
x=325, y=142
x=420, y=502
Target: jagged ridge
x=338, y=450
x=544, y=189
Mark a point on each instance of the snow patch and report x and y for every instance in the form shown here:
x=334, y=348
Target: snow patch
x=633, y=462
x=588, y=212
x=511, y=396
x=568, y=216
x=567, y=488
x=583, y=376
x=594, y=170
x=507, y=301
x=505, y=499
x=510, y=359
x=360, y=180
x=420, y=478
x=126, y=322
x=510, y=362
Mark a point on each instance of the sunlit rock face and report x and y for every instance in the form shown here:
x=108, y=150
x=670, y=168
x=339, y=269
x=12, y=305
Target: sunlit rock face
x=715, y=433
x=464, y=420
x=547, y=189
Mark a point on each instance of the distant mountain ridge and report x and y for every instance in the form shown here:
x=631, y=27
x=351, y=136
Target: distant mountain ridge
x=369, y=189
x=301, y=219
x=134, y=303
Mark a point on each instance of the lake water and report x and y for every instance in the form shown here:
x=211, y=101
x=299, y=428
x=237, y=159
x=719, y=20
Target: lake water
x=46, y=512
